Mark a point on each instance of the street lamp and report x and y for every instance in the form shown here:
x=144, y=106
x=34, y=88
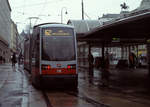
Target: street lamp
x=62, y=13
x=30, y=26
x=42, y=15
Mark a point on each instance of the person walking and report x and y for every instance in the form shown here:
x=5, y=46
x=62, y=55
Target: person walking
x=132, y=60
x=13, y=59
x=91, y=60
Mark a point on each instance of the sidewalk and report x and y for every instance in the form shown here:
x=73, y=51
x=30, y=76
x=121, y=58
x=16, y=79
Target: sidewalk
x=16, y=89
x=108, y=95
x=127, y=81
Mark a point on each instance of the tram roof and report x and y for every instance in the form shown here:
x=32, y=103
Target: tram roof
x=133, y=27
x=44, y=25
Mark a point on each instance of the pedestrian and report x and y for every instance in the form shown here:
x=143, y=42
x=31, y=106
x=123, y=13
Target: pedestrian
x=132, y=60
x=105, y=72
x=13, y=59
x=91, y=60
x=19, y=58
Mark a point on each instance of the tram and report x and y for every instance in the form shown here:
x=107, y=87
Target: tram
x=27, y=57
x=52, y=55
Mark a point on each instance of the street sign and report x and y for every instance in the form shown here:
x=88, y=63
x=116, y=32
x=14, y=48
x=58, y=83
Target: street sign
x=115, y=39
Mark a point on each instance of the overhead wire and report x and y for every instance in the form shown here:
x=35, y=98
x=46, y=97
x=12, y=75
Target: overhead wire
x=24, y=2
x=44, y=6
x=41, y=11
x=22, y=8
x=25, y=5
x=36, y=4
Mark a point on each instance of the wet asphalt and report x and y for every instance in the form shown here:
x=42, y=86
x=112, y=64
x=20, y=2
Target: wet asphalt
x=16, y=89
x=128, y=91
x=127, y=88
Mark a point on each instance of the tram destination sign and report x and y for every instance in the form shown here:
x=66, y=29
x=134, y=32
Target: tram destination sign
x=54, y=32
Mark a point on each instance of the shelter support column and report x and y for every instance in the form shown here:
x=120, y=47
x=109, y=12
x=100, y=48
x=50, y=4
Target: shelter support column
x=137, y=50
x=89, y=49
x=126, y=52
x=122, y=52
x=129, y=49
x=148, y=56
x=79, y=55
x=84, y=55
x=103, y=49
x=90, y=65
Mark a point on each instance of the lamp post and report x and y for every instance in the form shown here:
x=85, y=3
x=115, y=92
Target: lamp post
x=30, y=26
x=82, y=4
x=62, y=13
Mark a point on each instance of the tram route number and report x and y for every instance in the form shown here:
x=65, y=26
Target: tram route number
x=49, y=32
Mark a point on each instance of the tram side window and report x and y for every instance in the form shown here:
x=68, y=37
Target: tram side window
x=33, y=49
x=37, y=50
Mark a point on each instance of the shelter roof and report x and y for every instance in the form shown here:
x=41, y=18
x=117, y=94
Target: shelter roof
x=133, y=27
x=83, y=26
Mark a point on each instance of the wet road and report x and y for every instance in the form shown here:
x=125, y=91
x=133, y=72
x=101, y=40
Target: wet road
x=16, y=91
x=90, y=94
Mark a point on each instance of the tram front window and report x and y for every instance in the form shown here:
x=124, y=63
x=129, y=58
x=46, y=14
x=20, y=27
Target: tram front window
x=58, y=48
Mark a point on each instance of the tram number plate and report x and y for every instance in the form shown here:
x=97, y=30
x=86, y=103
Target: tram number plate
x=58, y=70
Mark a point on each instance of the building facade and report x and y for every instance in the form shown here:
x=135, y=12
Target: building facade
x=5, y=30
x=14, y=38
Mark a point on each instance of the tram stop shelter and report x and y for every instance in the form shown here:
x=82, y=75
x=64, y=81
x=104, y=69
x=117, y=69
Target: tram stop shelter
x=124, y=32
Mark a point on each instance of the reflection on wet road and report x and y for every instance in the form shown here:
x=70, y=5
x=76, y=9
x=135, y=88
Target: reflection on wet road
x=11, y=89
x=91, y=95
x=66, y=100
x=16, y=91
x=71, y=99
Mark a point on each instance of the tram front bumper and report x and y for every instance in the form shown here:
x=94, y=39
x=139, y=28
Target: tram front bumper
x=59, y=80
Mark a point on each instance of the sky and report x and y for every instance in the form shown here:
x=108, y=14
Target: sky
x=50, y=10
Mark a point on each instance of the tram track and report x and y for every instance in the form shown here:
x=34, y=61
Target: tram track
x=47, y=100
x=84, y=98
x=87, y=99
x=74, y=94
